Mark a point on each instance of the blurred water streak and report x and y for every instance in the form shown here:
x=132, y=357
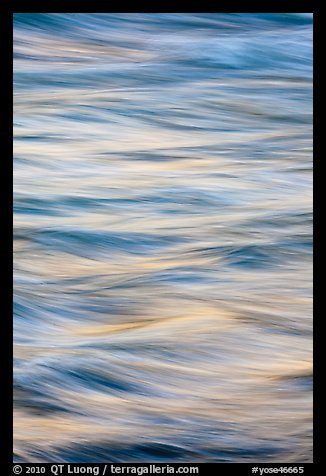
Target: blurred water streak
x=162, y=237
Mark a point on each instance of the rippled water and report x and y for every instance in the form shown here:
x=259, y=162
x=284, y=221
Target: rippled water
x=162, y=237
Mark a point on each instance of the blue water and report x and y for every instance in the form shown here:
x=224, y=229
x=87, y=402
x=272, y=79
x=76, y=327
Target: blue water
x=163, y=237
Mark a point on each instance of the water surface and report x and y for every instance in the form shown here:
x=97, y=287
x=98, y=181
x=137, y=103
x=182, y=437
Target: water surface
x=162, y=237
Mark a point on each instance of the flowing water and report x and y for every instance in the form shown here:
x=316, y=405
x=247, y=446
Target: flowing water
x=162, y=237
